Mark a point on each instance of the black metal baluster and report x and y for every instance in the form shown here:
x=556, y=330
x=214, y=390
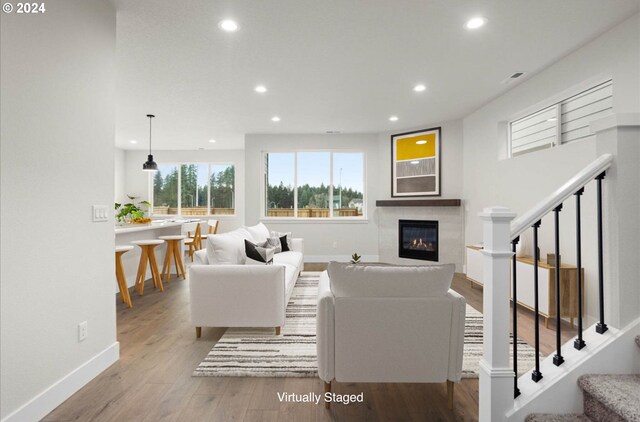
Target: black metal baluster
x=516, y=390
x=601, y=327
x=536, y=375
x=579, y=342
x=558, y=359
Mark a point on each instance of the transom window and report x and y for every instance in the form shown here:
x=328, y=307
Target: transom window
x=193, y=189
x=313, y=184
x=565, y=121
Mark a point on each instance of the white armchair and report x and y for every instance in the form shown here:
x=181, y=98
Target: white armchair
x=385, y=327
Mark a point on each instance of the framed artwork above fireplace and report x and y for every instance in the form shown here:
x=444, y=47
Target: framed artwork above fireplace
x=415, y=163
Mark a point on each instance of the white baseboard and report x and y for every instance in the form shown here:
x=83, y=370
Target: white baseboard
x=42, y=404
x=339, y=258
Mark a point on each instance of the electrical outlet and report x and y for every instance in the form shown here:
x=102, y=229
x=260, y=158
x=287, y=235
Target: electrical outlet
x=82, y=331
x=335, y=245
x=100, y=213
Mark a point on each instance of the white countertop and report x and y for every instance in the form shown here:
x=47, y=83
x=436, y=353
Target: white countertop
x=131, y=228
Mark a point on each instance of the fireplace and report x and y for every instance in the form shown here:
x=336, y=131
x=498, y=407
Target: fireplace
x=418, y=239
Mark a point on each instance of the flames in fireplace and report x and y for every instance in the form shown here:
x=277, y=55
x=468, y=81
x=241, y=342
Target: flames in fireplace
x=421, y=245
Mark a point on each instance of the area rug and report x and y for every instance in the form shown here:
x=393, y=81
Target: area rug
x=257, y=352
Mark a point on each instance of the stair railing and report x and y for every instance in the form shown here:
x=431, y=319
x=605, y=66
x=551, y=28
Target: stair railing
x=501, y=232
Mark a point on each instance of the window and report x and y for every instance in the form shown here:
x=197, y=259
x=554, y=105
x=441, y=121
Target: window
x=193, y=189
x=314, y=184
x=565, y=121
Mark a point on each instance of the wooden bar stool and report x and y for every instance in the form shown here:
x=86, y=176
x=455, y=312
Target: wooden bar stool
x=197, y=237
x=147, y=249
x=190, y=241
x=174, y=248
x=120, y=277
x=213, y=226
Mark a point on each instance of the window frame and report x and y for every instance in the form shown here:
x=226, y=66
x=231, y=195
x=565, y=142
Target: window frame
x=295, y=219
x=179, y=198
x=555, y=101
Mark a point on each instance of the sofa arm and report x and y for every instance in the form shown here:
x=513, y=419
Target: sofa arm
x=297, y=245
x=456, y=345
x=237, y=295
x=325, y=330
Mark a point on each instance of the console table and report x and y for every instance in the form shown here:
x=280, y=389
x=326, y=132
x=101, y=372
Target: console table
x=546, y=284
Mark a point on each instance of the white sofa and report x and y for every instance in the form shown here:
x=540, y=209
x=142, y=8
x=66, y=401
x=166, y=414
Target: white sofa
x=389, y=324
x=242, y=295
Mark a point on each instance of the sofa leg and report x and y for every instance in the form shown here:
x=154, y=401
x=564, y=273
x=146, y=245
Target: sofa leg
x=450, y=394
x=327, y=389
x=198, y=332
x=277, y=331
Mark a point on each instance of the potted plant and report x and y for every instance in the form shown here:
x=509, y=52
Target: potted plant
x=132, y=212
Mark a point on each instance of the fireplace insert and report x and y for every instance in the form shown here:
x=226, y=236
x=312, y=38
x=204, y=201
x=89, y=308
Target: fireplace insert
x=418, y=239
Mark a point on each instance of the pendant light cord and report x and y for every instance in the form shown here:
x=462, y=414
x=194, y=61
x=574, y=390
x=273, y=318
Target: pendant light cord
x=150, y=135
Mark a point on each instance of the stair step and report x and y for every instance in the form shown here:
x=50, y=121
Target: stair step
x=611, y=397
x=548, y=417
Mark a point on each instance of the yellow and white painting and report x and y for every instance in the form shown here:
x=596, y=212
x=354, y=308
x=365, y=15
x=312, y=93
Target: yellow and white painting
x=416, y=163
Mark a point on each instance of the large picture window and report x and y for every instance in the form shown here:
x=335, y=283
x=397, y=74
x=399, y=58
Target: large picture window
x=314, y=184
x=190, y=189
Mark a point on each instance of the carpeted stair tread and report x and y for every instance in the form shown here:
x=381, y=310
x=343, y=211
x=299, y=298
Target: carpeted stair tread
x=548, y=417
x=614, y=392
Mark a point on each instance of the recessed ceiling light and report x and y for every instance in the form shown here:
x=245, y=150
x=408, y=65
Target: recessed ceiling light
x=228, y=25
x=415, y=162
x=475, y=23
x=419, y=88
x=212, y=141
x=393, y=118
x=133, y=141
x=275, y=119
x=261, y=89
x=422, y=142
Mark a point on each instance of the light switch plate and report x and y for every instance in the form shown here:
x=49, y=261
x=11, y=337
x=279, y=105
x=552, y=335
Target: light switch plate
x=100, y=213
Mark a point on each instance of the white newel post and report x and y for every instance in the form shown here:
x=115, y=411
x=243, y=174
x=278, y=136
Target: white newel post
x=496, y=377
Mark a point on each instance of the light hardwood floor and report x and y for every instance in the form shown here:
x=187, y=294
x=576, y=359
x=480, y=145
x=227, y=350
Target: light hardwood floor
x=158, y=351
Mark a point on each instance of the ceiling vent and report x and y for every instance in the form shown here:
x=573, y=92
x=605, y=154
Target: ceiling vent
x=513, y=77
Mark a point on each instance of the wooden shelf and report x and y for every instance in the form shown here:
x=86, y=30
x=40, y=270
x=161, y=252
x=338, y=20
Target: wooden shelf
x=419, y=203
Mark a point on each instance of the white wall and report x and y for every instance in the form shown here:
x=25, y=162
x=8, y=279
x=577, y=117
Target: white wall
x=137, y=181
x=57, y=131
x=450, y=154
x=119, y=176
x=492, y=179
x=319, y=237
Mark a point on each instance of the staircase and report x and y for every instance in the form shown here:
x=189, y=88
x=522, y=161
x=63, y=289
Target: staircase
x=611, y=398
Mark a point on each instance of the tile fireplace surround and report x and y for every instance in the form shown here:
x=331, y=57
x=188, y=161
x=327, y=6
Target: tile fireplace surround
x=449, y=214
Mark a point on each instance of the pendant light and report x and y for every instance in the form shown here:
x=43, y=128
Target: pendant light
x=150, y=165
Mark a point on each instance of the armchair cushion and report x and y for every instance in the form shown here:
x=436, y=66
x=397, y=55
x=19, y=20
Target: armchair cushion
x=349, y=280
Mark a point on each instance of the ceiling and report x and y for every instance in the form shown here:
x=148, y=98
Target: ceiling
x=329, y=65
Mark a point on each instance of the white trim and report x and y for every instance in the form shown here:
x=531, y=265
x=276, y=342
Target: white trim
x=341, y=258
x=302, y=220
x=38, y=407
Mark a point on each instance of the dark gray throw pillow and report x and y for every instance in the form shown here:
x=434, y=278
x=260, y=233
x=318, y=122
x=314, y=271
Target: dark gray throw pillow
x=261, y=253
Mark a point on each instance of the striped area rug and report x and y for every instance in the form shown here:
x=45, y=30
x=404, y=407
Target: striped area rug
x=257, y=352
